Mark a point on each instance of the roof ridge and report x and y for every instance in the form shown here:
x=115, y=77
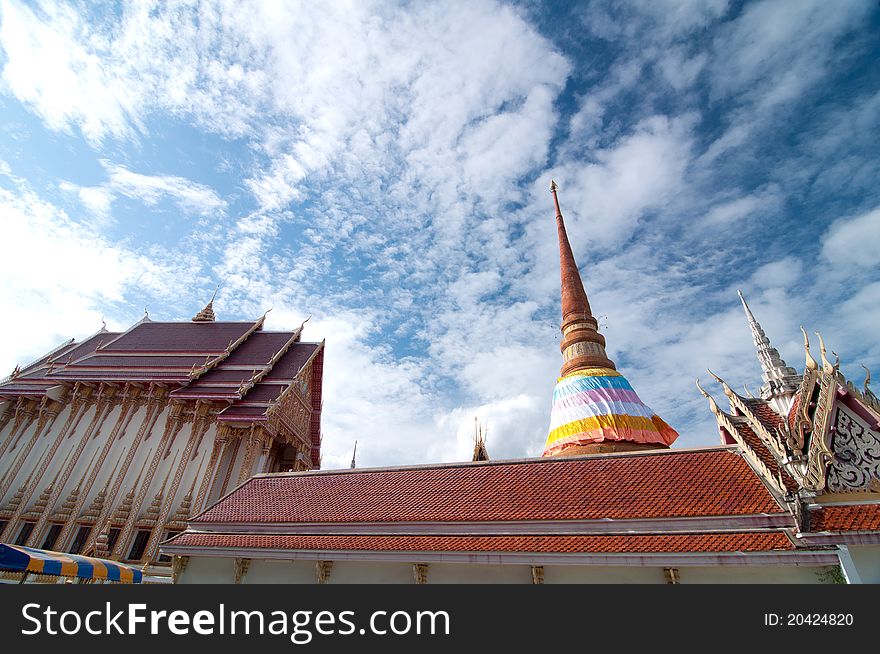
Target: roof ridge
x=499, y=462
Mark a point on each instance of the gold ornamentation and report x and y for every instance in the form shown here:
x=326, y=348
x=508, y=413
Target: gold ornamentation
x=241, y=568
x=178, y=565
x=420, y=573
x=537, y=574
x=323, y=570
x=820, y=454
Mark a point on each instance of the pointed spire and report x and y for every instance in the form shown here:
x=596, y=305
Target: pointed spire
x=589, y=415
x=779, y=378
x=480, y=451
x=582, y=345
x=207, y=314
x=353, y=455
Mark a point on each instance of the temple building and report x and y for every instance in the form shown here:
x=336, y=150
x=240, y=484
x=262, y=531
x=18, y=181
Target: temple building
x=108, y=446
x=790, y=495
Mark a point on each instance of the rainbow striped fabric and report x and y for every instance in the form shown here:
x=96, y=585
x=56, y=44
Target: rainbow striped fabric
x=598, y=404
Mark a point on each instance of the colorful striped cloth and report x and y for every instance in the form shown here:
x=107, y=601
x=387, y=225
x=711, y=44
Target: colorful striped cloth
x=598, y=404
x=28, y=559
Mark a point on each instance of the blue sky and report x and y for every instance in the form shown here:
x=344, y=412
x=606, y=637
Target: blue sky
x=384, y=167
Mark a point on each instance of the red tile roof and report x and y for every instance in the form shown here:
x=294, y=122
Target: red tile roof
x=852, y=517
x=765, y=455
x=711, y=482
x=765, y=414
x=793, y=413
x=710, y=542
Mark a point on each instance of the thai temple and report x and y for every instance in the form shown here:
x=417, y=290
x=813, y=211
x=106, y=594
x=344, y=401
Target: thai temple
x=109, y=445
x=791, y=494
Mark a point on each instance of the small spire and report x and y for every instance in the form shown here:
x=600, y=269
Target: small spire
x=353, y=455
x=207, y=314
x=779, y=378
x=480, y=451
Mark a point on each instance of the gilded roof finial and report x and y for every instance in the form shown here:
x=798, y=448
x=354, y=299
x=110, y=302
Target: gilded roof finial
x=353, y=455
x=207, y=314
x=480, y=451
x=713, y=406
x=867, y=377
x=827, y=368
x=811, y=362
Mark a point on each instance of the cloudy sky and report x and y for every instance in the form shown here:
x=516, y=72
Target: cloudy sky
x=384, y=167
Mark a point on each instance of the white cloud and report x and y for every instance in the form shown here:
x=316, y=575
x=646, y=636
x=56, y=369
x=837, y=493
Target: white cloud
x=62, y=278
x=852, y=243
x=150, y=189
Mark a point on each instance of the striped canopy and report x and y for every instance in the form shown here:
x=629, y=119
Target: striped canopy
x=598, y=404
x=28, y=559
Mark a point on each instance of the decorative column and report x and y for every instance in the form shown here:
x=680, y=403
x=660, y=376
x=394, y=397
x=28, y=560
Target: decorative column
x=220, y=440
x=79, y=405
x=129, y=408
x=155, y=402
x=45, y=416
x=253, y=444
x=201, y=422
x=173, y=425
x=24, y=414
x=106, y=400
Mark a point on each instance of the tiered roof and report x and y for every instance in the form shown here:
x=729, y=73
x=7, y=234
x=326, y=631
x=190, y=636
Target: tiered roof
x=218, y=361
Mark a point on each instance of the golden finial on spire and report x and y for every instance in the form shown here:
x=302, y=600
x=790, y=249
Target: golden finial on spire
x=553, y=186
x=481, y=453
x=207, y=314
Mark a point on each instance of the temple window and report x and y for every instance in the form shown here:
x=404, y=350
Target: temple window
x=24, y=534
x=51, y=536
x=82, y=535
x=139, y=544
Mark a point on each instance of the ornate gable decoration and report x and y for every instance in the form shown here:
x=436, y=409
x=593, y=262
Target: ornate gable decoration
x=829, y=442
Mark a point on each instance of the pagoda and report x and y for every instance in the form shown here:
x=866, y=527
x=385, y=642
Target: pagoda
x=595, y=410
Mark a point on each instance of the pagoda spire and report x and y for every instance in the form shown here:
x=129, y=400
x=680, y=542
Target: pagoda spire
x=582, y=345
x=595, y=410
x=207, y=314
x=780, y=380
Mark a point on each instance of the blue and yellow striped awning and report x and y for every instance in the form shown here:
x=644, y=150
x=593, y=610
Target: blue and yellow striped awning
x=28, y=559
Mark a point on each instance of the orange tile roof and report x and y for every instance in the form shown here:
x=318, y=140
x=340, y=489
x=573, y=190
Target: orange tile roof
x=711, y=542
x=852, y=517
x=764, y=454
x=710, y=482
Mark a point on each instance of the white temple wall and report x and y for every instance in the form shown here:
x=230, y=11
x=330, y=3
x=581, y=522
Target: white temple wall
x=867, y=561
x=204, y=569
x=208, y=570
